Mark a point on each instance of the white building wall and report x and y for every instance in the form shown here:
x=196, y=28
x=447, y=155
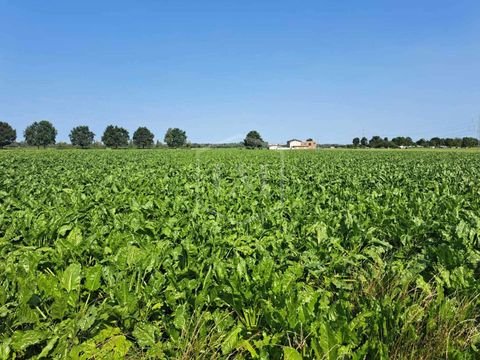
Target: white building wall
x=295, y=143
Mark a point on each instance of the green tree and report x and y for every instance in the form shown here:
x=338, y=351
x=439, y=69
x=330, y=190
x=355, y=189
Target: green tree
x=422, y=142
x=254, y=140
x=399, y=141
x=115, y=136
x=356, y=141
x=451, y=142
x=376, y=142
x=457, y=142
x=435, y=141
x=364, y=141
x=81, y=136
x=469, y=142
x=8, y=134
x=143, y=137
x=175, y=137
x=40, y=133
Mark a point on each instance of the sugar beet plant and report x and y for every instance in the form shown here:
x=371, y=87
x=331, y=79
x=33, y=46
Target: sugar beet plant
x=239, y=254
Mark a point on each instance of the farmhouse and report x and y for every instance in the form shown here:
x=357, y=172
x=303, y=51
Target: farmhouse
x=295, y=144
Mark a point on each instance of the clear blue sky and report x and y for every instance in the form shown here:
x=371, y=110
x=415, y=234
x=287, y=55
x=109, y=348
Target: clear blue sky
x=330, y=70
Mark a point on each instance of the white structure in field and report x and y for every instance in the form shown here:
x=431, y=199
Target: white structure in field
x=277, y=147
x=295, y=144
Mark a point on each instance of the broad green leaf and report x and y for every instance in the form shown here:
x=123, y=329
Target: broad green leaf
x=180, y=317
x=125, y=297
x=245, y=344
x=290, y=353
x=88, y=319
x=23, y=339
x=231, y=341
x=46, y=350
x=75, y=237
x=59, y=307
x=5, y=349
x=110, y=343
x=4, y=311
x=114, y=348
x=64, y=229
x=156, y=351
x=145, y=334
x=71, y=277
x=92, y=277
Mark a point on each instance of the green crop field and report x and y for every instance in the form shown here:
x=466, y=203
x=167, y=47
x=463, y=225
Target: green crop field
x=239, y=254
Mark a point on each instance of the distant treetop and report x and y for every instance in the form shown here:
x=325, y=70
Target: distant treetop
x=81, y=136
x=8, y=135
x=254, y=140
x=175, y=137
x=115, y=136
x=142, y=137
x=40, y=134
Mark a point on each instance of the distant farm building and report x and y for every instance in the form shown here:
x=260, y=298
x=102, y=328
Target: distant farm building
x=295, y=144
x=278, y=147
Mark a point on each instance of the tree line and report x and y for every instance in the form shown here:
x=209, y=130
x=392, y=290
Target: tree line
x=401, y=141
x=43, y=133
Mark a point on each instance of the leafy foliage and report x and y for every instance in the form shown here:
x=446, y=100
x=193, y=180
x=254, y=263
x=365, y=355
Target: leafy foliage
x=254, y=140
x=40, y=134
x=115, y=136
x=175, y=137
x=81, y=136
x=142, y=137
x=8, y=134
x=402, y=141
x=235, y=254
